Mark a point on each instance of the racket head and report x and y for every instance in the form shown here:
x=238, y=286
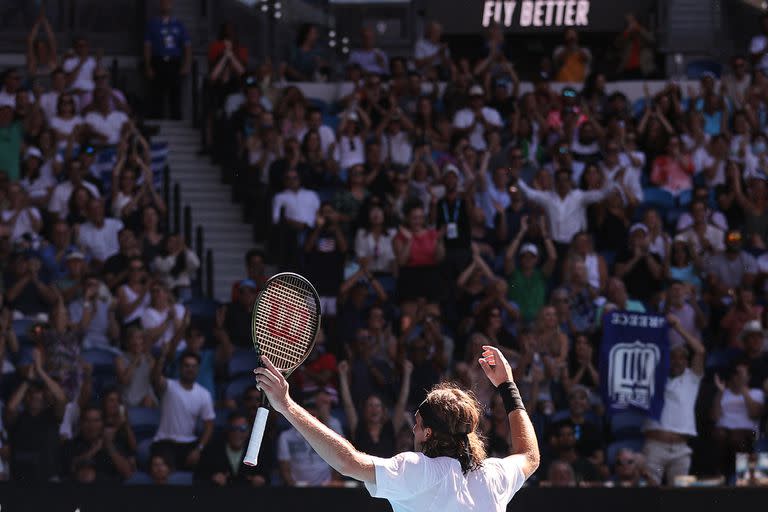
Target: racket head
x=285, y=320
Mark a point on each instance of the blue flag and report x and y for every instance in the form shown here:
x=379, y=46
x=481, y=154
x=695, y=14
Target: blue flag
x=634, y=362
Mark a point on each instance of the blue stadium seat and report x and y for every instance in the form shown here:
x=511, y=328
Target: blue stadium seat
x=695, y=69
x=139, y=478
x=99, y=358
x=638, y=107
x=236, y=387
x=627, y=424
x=143, y=453
x=242, y=363
x=658, y=198
x=635, y=445
x=180, y=478
x=21, y=327
x=319, y=104
x=144, y=421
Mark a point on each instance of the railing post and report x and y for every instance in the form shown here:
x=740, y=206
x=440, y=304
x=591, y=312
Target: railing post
x=177, y=208
x=195, y=95
x=167, y=192
x=200, y=250
x=187, y=224
x=209, y=273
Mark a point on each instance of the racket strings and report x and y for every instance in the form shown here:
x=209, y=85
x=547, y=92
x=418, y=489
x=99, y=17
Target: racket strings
x=295, y=304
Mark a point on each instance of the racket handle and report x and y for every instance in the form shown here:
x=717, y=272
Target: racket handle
x=257, y=434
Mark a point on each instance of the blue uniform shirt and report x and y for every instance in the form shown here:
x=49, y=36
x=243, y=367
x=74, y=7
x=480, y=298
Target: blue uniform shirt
x=168, y=37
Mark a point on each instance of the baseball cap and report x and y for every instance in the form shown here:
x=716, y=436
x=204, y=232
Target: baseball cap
x=638, y=226
x=32, y=151
x=450, y=168
x=476, y=90
x=74, y=255
x=529, y=248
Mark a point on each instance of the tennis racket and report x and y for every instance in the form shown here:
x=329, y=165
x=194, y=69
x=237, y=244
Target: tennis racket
x=284, y=325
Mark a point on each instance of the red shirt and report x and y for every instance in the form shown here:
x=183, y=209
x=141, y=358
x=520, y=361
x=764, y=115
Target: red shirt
x=422, y=248
x=216, y=49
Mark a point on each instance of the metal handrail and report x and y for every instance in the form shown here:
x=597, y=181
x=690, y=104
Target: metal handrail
x=209, y=273
x=176, y=207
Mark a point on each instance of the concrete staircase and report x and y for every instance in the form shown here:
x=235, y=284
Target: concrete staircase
x=210, y=203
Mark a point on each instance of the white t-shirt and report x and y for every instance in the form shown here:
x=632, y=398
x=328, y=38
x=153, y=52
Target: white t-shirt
x=180, y=410
x=84, y=79
x=397, y=148
x=65, y=126
x=702, y=160
x=300, y=206
x=39, y=188
x=23, y=222
x=349, y=151
x=307, y=466
x=326, y=133
x=734, y=408
x=109, y=126
x=151, y=318
x=678, y=414
x=101, y=243
x=59, y=203
x=413, y=482
x=464, y=119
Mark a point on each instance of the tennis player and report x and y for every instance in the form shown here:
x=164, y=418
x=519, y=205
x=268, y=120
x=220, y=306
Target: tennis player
x=448, y=471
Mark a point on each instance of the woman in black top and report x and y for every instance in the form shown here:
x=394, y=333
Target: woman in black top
x=375, y=433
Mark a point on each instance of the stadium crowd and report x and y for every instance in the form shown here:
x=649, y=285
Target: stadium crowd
x=432, y=220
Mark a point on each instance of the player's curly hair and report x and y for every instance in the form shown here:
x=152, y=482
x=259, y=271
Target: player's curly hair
x=460, y=412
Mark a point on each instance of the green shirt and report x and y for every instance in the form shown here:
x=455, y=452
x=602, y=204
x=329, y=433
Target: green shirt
x=11, y=137
x=529, y=293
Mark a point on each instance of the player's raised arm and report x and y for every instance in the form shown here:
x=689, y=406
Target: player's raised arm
x=525, y=447
x=333, y=448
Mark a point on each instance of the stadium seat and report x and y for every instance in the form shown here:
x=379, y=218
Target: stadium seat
x=319, y=104
x=139, y=478
x=659, y=198
x=21, y=327
x=638, y=106
x=143, y=453
x=144, y=421
x=242, y=363
x=627, y=424
x=635, y=445
x=180, y=478
x=694, y=70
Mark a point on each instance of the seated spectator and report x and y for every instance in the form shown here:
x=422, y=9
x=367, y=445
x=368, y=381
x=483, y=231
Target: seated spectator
x=102, y=330
x=666, y=440
x=430, y=51
x=99, y=236
x=159, y=469
x=597, y=269
x=682, y=303
x=177, y=266
x=560, y=474
x=324, y=252
x=66, y=124
x=704, y=238
x=105, y=125
x=743, y=311
x=684, y=264
x=581, y=370
x=96, y=444
x=581, y=297
x=20, y=218
x=129, y=198
x=183, y=403
x=298, y=462
x=255, y=268
x=616, y=293
x=630, y=469
x=587, y=428
x=477, y=120
x=71, y=284
x=233, y=321
x=26, y=293
x=571, y=61
x=133, y=368
x=116, y=269
x=151, y=234
x=368, y=57
x=307, y=62
x=115, y=417
x=641, y=270
x=79, y=66
x=754, y=204
x=374, y=433
x=63, y=343
x=163, y=320
x=60, y=199
x=562, y=444
x=673, y=169
x=350, y=149
x=39, y=179
x=730, y=269
x=294, y=210
x=221, y=463
x=33, y=431
x=78, y=209
x=115, y=98
x=133, y=297
x=195, y=345
x=527, y=282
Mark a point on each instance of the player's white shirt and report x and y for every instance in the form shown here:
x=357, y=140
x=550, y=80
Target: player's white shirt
x=413, y=482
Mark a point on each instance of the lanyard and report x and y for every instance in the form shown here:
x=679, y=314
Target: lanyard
x=455, y=211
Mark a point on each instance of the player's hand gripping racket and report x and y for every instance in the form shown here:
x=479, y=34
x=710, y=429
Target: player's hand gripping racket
x=284, y=324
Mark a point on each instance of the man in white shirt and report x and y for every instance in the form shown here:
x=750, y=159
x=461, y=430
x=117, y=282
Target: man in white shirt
x=368, y=57
x=477, y=120
x=566, y=207
x=106, y=125
x=296, y=205
x=20, y=217
x=396, y=147
x=326, y=133
x=59, y=203
x=666, y=440
x=618, y=169
x=430, y=51
x=703, y=237
x=98, y=236
x=448, y=470
x=79, y=67
x=183, y=403
x=49, y=101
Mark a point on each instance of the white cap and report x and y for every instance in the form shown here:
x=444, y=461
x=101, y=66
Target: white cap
x=32, y=151
x=639, y=226
x=476, y=90
x=529, y=248
x=450, y=168
x=752, y=326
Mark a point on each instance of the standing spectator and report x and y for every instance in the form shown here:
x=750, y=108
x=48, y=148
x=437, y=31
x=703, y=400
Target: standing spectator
x=163, y=320
x=758, y=47
x=233, y=321
x=451, y=215
x=151, y=234
x=96, y=444
x=571, y=61
x=99, y=236
x=79, y=66
x=105, y=125
x=11, y=136
x=477, y=120
x=133, y=297
x=54, y=254
x=221, y=463
x=736, y=83
x=673, y=169
x=33, y=430
x=742, y=313
x=294, y=210
x=117, y=266
x=324, y=252
x=183, y=403
x=431, y=52
x=167, y=59
x=42, y=54
x=133, y=368
x=731, y=269
x=641, y=270
x=60, y=199
x=703, y=237
x=736, y=409
x=666, y=440
x=681, y=302
x=629, y=470
x=177, y=266
x=307, y=63
x=25, y=291
x=20, y=217
x=368, y=57
x=102, y=330
x=636, y=46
